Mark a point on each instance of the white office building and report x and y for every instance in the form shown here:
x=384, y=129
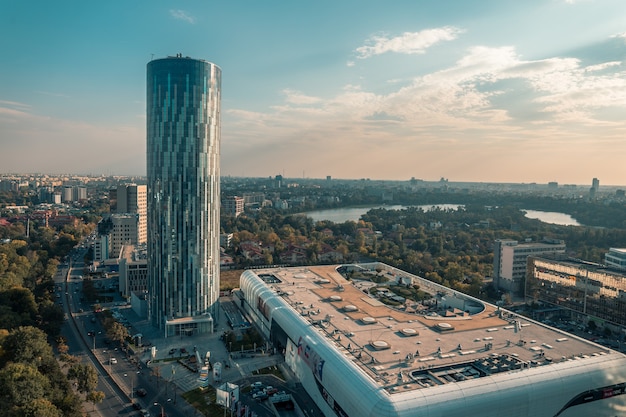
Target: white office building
x=509, y=261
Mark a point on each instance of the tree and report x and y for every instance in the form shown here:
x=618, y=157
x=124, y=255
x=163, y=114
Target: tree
x=95, y=397
x=22, y=303
x=40, y=407
x=117, y=332
x=85, y=376
x=21, y=383
x=27, y=345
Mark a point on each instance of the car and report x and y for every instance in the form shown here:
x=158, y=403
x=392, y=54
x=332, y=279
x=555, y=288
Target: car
x=183, y=350
x=113, y=361
x=172, y=351
x=142, y=392
x=137, y=406
x=260, y=396
x=257, y=384
x=144, y=413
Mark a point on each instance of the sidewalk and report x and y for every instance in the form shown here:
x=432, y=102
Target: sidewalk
x=173, y=371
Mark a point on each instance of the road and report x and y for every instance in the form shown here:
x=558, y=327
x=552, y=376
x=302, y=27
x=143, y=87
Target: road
x=118, y=381
x=74, y=332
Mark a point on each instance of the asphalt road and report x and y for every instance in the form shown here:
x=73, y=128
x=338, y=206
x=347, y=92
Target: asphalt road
x=120, y=381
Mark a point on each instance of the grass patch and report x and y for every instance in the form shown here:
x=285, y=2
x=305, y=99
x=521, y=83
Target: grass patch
x=270, y=370
x=203, y=400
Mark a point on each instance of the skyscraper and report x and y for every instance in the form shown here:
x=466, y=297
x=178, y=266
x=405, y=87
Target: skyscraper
x=183, y=146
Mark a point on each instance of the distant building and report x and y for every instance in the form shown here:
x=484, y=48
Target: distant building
x=253, y=200
x=509, y=261
x=125, y=232
x=616, y=258
x=278, y=181
x=233, y=205
x=586, y=290
x=595, y=186
x=133, y=270
x=101, y=247
x=226, y=240
x=132, y=198
x=67, y=195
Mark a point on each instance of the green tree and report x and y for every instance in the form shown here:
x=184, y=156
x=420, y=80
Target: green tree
x=27, y=345
x=95, y=397
x=21, y=383
x=40, y=407
x=117, y=332
x=85, y=376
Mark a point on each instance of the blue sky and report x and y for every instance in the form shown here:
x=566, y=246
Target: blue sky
x=470, y=90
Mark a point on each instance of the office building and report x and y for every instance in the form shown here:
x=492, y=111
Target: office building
x=616, y=258
x=125, y=231
x=449, y=354
x=183, y=143
x=509, y=261
x=133, y=270
x=131, y=198
x=233, y=205
x=582, y=290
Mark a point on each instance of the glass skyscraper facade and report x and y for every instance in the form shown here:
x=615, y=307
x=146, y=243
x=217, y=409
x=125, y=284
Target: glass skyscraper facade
x=183, y=148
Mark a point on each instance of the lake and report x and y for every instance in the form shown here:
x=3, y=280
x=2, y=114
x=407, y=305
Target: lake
x=342, y=215
x=552, y=217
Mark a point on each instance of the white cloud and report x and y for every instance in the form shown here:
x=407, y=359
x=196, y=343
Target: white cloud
x=489, y=92
x=182, y=15
x=620, y=35
x=407, y=43
x=6, y=105
x=491, y=105
x=296, y=97
x=603, y=66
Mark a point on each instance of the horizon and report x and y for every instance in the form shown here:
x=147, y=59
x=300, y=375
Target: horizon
x=482, y=92
x=271, y=177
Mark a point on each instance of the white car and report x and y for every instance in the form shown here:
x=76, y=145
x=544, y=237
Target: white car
x=113, y=361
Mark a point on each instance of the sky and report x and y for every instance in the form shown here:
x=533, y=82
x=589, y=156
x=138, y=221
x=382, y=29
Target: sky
x=469, y=90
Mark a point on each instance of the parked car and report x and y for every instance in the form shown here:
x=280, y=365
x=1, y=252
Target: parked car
x=141, y=392
x=260, y=396
x=113, y=361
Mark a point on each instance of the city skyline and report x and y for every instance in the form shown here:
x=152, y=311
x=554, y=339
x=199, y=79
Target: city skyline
x=476, y=91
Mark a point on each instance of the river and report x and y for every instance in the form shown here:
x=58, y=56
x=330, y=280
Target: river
x=342, y=215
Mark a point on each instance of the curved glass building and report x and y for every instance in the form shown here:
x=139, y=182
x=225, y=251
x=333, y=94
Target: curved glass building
x=183, y=148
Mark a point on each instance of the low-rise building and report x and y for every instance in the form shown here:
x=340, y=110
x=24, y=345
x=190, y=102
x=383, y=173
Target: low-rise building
x=509, y=261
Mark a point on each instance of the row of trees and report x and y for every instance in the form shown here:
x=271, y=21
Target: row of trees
x=32, y=381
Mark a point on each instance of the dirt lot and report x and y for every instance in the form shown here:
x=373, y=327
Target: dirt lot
x=230, y=279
